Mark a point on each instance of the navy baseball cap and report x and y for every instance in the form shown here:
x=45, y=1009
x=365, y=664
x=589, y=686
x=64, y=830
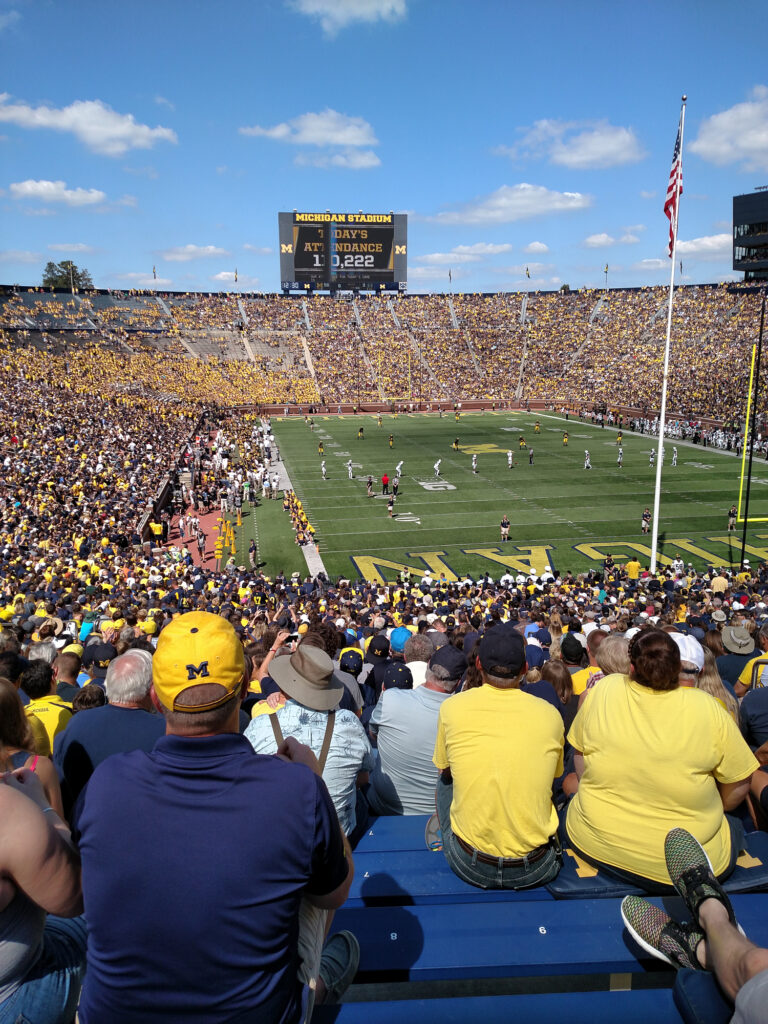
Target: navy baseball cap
x=451, y=659
x=502, y=652
x=397, y=676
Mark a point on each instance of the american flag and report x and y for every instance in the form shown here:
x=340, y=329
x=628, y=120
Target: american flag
x=674, y=189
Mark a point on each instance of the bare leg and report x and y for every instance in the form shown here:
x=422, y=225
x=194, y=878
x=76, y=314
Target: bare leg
x=726, y=952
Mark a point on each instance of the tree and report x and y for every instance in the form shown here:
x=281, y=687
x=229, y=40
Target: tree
x=66, y=275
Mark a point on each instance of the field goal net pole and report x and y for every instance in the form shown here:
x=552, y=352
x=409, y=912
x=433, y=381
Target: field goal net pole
x=663, y=411
x=750, y=426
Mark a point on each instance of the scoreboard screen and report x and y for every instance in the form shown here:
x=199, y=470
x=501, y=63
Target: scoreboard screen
x=343, y=251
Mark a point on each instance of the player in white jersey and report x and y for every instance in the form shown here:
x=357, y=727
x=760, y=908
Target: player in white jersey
x=437, y=467
x=349, y=469
x=474, y=464
x=620, y=457
x=399, y=468
x=587, y=462
x=652, y=458
x=674, y=456
x=322, y=469
x=509, y=458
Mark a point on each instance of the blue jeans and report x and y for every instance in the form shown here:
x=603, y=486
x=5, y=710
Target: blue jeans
x=489, y=876
x=50, y=992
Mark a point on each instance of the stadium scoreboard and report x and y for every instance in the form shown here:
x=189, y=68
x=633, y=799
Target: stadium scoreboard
x=343, y=251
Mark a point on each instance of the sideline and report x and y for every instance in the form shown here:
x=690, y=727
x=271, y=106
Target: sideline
x=312, y=557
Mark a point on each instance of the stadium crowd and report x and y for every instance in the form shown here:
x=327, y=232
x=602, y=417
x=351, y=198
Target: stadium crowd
x=528, y=711
x=574, y=348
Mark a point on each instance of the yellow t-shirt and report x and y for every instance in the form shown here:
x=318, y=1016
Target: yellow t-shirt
x=633, y=569
x=53, y=714
x=745, y=676
x=504, y=748
x=581, y=678
x=652, y=761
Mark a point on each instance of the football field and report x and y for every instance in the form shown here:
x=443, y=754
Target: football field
x=562, y=515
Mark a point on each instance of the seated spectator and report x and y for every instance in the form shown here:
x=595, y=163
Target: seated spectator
x=709, y=680
x=557, y=675
x=498, y=750
x=17, y=746
x=87, y=697
x=128, y=722
x=249, y=836
x=43, y=958
x=38, y=682
x=66, y=669
x=311, y=714
x=739, y=649
x=713, y=941
x=650, y=754
x=404, y=723
x=581, y=678
x=753, y=715
x=417, y=652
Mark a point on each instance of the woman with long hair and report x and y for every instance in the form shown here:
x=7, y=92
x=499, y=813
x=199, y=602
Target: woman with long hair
x=17, y=745
x=709, y=680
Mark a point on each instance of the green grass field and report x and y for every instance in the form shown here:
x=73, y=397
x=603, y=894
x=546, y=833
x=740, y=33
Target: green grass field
x=561, y=515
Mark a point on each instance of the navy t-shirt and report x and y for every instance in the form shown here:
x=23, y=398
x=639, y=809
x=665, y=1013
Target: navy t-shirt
x=94, y=735
x=195, y=859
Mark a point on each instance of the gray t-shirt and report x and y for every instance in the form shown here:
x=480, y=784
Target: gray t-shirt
x=404, y=778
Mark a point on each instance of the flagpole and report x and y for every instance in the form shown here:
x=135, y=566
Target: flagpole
x=663, y=412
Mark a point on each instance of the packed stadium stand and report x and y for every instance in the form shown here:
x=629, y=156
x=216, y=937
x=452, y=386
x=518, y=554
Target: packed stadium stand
x=119, y=415
x=563, y=348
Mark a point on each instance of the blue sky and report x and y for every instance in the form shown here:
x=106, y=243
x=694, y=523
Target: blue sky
x=170, y=133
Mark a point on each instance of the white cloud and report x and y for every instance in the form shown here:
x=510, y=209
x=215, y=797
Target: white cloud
x=71, y=247
x=8, y=19
x=94, y=123
x=263, y=250
x=536, y=248
x=19, y=256
x=161, y=101
x=647, y=195
x=327, y=128
x=185, y=253
x=56, y=192
x=334, y=15
x=737, y=135
x=435, y=273
x=654, y=264
x=709, y=247
x=465, y=254
x=514, y=202
x=603, y=239
x=580, y=145
x=599, y=241
x=351, y=159
x=228, y=277
x=143, y=280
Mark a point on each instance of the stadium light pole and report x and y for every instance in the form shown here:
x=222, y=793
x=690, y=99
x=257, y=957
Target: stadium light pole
x=665, y=376
x=751, y=429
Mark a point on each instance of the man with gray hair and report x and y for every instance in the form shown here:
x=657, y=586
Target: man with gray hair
x=417, y=652
x=405, y=724
x=128, y=722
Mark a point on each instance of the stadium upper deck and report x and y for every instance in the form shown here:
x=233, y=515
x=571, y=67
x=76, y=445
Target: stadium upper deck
x=570, y=348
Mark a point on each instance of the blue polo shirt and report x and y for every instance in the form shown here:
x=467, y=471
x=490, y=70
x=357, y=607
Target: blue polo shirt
x=195, y=858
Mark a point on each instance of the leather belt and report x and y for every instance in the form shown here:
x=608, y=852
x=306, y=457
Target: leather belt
x=505, y=862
